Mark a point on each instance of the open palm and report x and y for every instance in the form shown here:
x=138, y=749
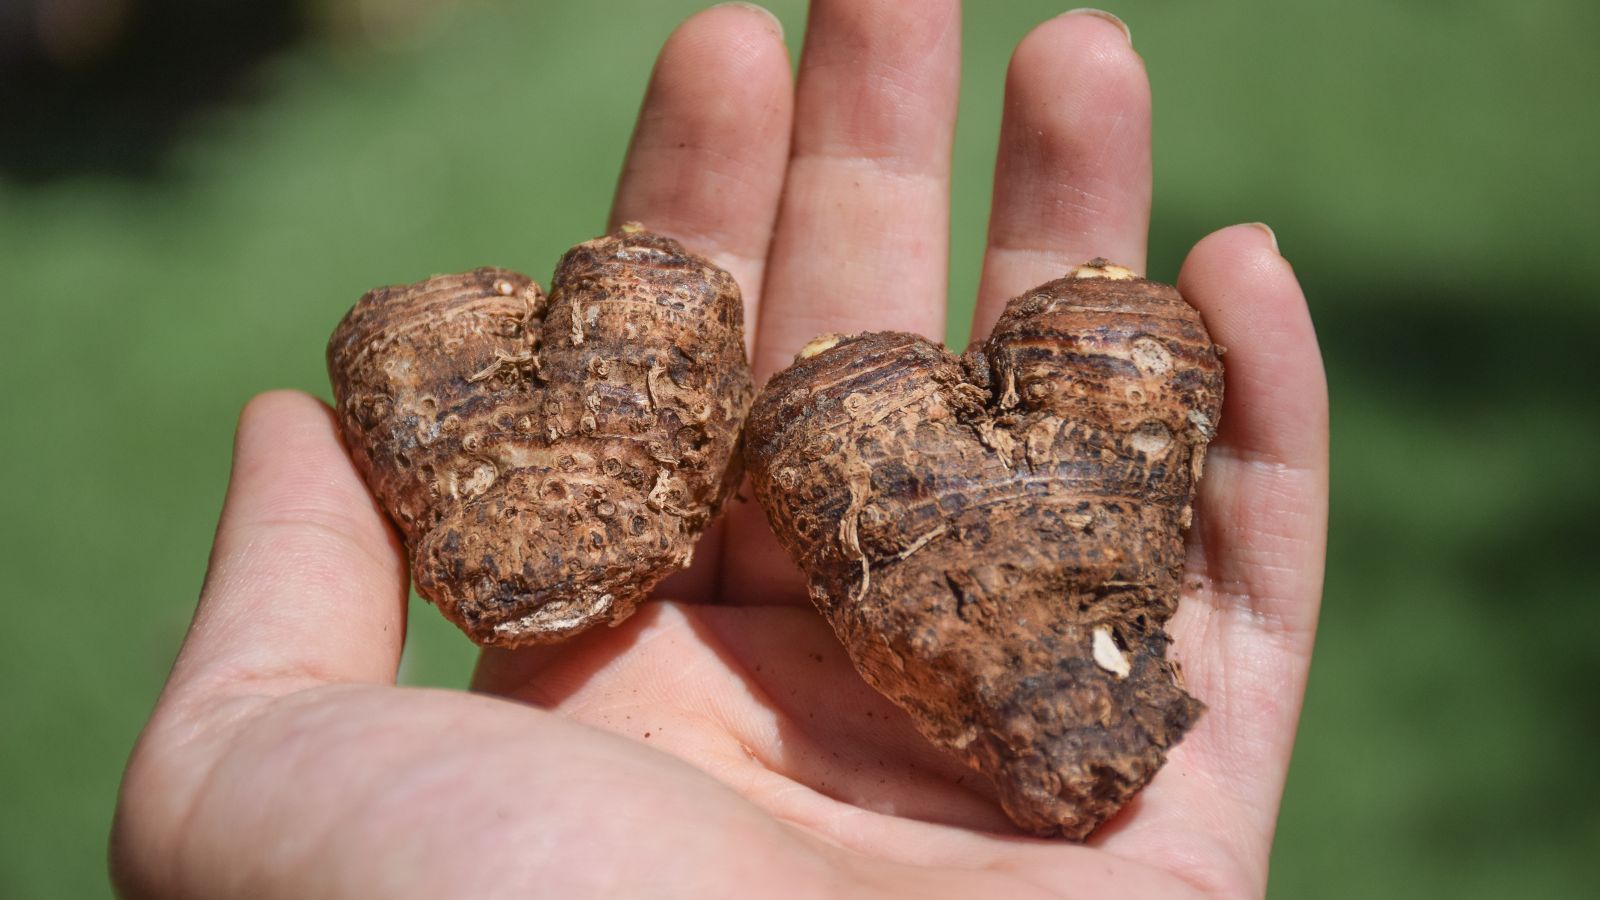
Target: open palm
x=720, y=744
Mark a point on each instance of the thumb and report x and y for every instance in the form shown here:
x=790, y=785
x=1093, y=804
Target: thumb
x=307, y=582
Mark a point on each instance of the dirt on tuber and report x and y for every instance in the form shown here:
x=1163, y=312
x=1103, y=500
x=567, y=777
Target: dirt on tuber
x=998, y=538
x=548, y=459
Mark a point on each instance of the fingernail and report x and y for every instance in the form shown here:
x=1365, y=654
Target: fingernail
x=756, y=7
x=1102, y=14
x=1271, y=235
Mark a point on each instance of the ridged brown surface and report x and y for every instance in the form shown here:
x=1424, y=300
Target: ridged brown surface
x=548, y=460
x=997, y=538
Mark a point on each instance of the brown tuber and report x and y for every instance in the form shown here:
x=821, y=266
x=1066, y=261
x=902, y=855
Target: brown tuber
x=548, y=460
x=997, y=538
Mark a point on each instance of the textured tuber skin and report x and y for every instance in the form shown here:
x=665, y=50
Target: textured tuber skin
x=997, y=538
x=548, y=460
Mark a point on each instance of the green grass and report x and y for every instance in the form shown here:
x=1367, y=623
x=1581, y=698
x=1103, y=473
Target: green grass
x=1430, y=171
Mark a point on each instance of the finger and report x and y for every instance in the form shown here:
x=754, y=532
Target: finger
x=307, y=582
x=1243, y=632
x=862, y=233
x=1277, y=406
x=1072, y=176
x=706, y=166
x=861, y=241
x=707, y=159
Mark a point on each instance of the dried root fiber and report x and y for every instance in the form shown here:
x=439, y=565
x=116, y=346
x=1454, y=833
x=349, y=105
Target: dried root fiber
x=548, y=459
x=998, y=538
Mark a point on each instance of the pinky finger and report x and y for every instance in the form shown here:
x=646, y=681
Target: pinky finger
x=1244, y=628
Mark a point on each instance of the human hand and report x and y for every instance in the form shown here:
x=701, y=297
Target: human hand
x=722, y=745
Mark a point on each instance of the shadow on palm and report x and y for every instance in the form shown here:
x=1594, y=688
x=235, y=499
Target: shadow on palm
x=764, y=699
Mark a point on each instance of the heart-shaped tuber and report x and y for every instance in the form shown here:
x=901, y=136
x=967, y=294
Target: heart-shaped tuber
x=997, y=538
x=548, y=462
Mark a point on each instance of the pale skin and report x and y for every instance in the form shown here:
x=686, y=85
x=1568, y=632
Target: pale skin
x=719, y=744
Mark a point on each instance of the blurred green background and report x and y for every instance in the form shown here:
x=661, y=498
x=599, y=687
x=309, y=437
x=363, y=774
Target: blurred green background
x=189, y=204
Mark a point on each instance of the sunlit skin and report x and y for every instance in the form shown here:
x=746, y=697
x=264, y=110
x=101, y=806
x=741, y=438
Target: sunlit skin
x=719, y=743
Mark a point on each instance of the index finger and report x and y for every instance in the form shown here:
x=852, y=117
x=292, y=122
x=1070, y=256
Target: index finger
x=706, y=161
